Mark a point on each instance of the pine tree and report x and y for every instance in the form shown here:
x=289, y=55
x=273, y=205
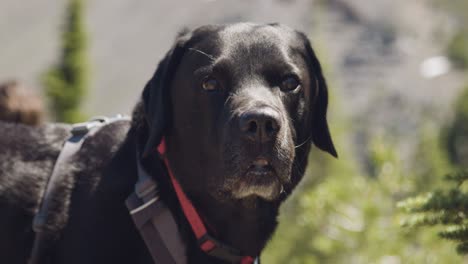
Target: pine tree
x=66, y=82
x=448, y=208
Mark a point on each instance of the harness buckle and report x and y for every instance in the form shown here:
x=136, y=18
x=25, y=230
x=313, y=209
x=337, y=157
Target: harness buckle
x=81, y=129
x=146, y=189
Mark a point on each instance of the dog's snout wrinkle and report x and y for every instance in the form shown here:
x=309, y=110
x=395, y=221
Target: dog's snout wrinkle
x=260, y=125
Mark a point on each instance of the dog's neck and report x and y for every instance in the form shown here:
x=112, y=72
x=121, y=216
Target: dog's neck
x=245, y=224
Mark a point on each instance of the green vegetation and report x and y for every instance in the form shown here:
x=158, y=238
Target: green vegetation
x=349, y=215
x=447, y=207
x=457, y=50
x=66, y=83
x=457, y=132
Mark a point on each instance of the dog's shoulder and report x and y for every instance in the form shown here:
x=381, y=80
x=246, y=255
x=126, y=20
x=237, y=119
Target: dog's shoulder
x=107, y=139
x=30, y=141
x=27, y=157
x=25, y=147
x=98, y=153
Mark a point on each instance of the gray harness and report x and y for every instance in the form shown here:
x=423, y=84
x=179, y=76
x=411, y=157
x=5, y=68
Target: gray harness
x=44, y=219
x=155, y=222
x=153, y=219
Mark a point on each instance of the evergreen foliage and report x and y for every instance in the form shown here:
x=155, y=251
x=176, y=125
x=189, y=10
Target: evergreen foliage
x=446, y=207
x=66, y=83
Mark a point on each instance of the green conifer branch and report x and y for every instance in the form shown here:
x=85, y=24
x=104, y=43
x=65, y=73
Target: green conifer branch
x=66, y=83
x=442, y=207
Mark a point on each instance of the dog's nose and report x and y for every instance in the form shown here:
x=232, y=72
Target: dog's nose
x=260, y=125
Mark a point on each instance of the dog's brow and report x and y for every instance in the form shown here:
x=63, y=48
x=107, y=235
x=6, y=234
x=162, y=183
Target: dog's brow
x=203, y=53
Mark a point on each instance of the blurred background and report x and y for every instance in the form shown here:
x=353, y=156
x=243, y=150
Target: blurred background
x=397, y=72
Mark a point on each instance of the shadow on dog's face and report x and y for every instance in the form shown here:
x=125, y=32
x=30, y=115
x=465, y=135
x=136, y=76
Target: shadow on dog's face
x=239, y=106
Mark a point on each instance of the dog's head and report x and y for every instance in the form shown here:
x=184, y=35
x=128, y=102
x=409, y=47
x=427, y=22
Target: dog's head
x=239, y=106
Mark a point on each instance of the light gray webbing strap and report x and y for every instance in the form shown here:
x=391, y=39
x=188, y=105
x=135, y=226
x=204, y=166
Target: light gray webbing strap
x=43, y=217
x=155, y=221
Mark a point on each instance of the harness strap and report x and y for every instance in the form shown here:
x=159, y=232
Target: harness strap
x=155, y=221
x=43, y=218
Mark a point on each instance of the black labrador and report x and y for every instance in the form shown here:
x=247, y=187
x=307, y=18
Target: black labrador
x=239, y=107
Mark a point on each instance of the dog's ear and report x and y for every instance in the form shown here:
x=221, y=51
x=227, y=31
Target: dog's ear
x=320, y=132
x=156, y=95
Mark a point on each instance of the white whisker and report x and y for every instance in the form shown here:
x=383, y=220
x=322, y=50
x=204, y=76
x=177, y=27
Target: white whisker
x=203, y=53
x=305, y=141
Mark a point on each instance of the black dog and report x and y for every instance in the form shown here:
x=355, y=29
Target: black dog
x=238, y=106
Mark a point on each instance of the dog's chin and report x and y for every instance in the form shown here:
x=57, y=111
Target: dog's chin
x=262, y=183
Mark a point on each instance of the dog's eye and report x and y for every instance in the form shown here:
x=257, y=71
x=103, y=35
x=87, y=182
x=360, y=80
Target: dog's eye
x=210, y=84
x=289, y=83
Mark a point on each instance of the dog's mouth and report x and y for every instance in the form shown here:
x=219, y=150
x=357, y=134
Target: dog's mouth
x=260, y=167
x=260, y=179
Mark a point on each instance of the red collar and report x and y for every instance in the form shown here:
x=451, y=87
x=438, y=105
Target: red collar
x=206, y=242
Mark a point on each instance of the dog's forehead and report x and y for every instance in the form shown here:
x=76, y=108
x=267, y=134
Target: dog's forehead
x=251, y=33
x=240, y=38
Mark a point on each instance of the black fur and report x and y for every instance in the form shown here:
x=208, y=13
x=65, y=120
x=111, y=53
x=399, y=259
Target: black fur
x=206, y=149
